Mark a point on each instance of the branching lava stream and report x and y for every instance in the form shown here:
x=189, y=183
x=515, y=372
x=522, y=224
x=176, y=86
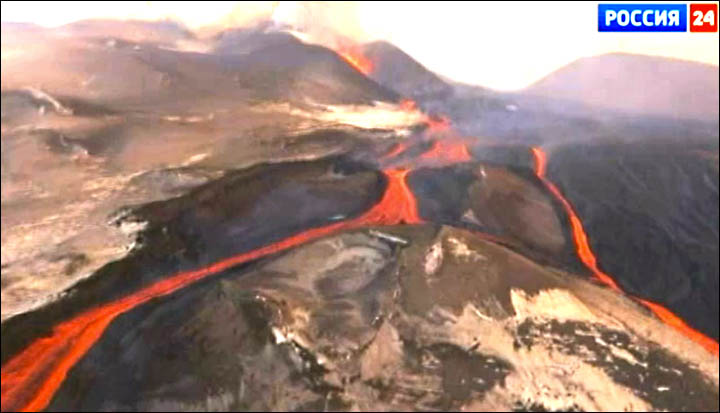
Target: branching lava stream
x=588, y=258
x=449, y=151
x=31, y=378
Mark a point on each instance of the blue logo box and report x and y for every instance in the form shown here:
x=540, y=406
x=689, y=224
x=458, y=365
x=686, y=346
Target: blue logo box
x=642, y=17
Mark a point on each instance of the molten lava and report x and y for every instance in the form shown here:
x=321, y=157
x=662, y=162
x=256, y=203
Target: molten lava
x=437, y=123
x=31, y=378
x=354, y=56
x=448, y=150
x=397, y=206
x=581, y=241
x=408, y=105
x=588, y=258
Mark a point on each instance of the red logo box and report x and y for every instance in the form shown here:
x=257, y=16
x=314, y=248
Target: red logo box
x=703, y=17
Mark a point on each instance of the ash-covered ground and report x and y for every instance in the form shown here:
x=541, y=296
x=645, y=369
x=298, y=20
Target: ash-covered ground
x=249, y=221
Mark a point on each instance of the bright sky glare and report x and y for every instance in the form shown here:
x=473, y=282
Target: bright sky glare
x=501, y=45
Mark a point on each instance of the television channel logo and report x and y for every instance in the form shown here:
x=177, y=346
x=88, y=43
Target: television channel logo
x=703, y=17
x=642, y=17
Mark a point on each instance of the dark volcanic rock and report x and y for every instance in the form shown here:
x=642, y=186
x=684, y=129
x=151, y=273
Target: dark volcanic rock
x=505, y=203
x=394, y=69
x=656, y=375
x=246, y=40
x=299, y=70
x=652, y=217
x=165, y=184
x=356, y=321
x=145, y=75
x=442, y=192
x=234, y=214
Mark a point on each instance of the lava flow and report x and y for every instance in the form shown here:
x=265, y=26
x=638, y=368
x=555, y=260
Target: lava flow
x=435, y=123
x=452, y=150
x=408, y=105
x=588, y=258
x=352, y=55
x=448, y=150
x=31, y=378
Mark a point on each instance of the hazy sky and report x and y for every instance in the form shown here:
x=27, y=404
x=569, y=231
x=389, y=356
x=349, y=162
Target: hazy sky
x=504, y=45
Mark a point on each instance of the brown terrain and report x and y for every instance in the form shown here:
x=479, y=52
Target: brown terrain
x=248, y=221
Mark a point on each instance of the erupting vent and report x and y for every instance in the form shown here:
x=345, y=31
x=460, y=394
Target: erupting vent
x=353, y=56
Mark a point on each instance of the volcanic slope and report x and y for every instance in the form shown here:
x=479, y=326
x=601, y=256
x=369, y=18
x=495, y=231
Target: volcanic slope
x=442, y=274
x=637, y=84
x=652, y=216
x=128, y=73
x=397, y=70
x=94, y=120
x=421, y=280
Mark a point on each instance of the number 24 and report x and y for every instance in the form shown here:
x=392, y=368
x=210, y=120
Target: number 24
x=699, y=19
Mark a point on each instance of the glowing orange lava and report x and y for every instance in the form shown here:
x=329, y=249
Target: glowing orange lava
x=448, y=150
x=408, y=105
x=31, y=378
x=354, y=56
x=437, y=123
x=398, y=205
x=588, y=258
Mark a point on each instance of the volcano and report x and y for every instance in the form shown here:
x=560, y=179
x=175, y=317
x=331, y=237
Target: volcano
x=396, y=69
x=670, y=87
x=255, y=221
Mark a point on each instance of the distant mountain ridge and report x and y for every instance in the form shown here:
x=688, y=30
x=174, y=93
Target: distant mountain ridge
x=619, y=82
x=638, y=84
x=635, y=85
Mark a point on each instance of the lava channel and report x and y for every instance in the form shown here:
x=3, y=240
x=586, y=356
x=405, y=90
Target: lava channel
x=352, y=55
x=434, y=122
x=437, y=123
x=588, y=258
x=448, y=150
x=31, y=378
